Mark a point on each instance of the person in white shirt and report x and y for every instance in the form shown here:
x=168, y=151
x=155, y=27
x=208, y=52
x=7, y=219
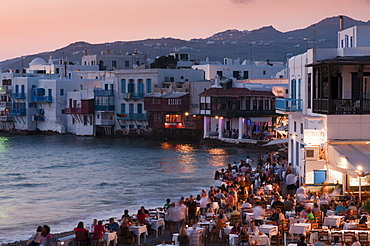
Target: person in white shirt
x=253, y=230
x=258, y=214
x=290, y=183
x=249, y=160
x=355, y=241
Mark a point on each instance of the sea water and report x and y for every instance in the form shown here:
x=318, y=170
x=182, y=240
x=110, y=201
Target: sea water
x=60, y=180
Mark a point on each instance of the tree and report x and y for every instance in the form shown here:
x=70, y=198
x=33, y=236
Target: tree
x=164, y=62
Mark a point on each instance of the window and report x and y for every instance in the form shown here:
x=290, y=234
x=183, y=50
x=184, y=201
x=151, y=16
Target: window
x=140, y=86
x=264, y=72
x=85, y=120
x=148, y=85
x=236, y=74
x=309, y=90
x=127, y=64
x=245, y=75
x=123, y=85
x=173, y=118
x=114, y=64
x=62, y=92
x=174, y=101
x=301, y=128
x=295, y=126
x=123, y=108
x=131, y=86
x=219, y=73
x=139, y=108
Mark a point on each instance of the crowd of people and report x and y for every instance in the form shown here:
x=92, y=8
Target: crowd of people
x=238, y=188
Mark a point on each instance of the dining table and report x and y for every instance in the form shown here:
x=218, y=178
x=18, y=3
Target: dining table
x=299, y=229
x=138, y=230
x=110, y=236
x=260, y=239
x=270, y=230
x=156, y=224
x=333, y=220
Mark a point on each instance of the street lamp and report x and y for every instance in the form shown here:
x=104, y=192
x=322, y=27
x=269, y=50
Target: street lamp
x=359, y=174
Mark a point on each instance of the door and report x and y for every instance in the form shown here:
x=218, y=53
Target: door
x=319, y=176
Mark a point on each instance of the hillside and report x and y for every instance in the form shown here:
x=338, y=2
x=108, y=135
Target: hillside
x=260, y=44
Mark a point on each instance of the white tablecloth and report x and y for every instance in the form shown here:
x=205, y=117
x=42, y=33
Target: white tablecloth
x=138, y=230
x=330, y=212
x=333, y=220
x=270, y=230
x=295, y=220
x=289, y=214
x=300, y=228
x=206, y=224
x=155, y=224
x=110, y=236
x=248, y=217
x=233, y=239
x=350, y=226
x=260, y=239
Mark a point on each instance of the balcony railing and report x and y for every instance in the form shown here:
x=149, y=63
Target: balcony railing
x=127, y=96
x=6, y=118
x=100, y=92
x=341, y=106
x=18, y=112
x=104, y=108
x=47, y=99
x=73, y=110
x=288, y=104
x=18, y=95
x=137, y=116
x=242, y=113
x=5, y=104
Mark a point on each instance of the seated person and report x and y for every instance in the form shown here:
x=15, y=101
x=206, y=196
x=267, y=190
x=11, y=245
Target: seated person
x=253, y=230
x=310, y=216
x=340, y=208
x=235, y=229
x=125, y=232
x=98, y=231
x=141, y=217
x=277, y=216
x=80, y=229
x=349, y=215
x=126, y=215
x=113, y=226
x=220, y=222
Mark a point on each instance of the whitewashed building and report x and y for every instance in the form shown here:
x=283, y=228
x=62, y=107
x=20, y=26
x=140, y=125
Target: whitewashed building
x=329, y=110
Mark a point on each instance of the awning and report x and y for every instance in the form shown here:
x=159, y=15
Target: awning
x=260, y=119
x=282, y=128
x=348, y=157
x=282, y=141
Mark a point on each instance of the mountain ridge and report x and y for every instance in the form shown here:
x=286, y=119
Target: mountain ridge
x=259, y=44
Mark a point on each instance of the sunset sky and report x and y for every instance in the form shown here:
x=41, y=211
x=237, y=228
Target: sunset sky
x=34, y=26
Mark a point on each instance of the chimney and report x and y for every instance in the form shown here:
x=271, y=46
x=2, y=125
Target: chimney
x=341, y=22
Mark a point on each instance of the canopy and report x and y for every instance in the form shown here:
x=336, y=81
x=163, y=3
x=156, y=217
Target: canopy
x=282, y=141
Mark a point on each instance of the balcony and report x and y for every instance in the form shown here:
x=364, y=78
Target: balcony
x=341, y=106
x=18, y=112
x=228, y=113
x=133, y=96
x=73, y=110
x=104, y=108
x=131, y=116
x=289, y=104
x=6, y=118
x=101, y=92
x=47, y=99
x=18, y=95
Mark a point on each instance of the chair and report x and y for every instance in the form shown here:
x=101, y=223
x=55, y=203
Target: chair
x=324, y=235
x=81, y=239
x=234, y=218
x=318, y=218
x=126, y=237
x=314, y=226
x=276, y=239
x=94, y=239
x=285, y=224
x=363, y=238
x=342, y=213
x=336, y=234
x=362, y=227
x=347, y=236
x=243, y=239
